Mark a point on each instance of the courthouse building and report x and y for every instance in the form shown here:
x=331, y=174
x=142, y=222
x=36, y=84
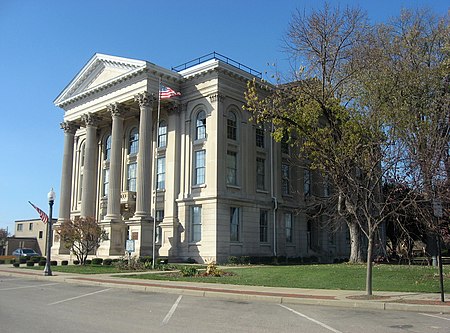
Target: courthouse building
x=212, y=180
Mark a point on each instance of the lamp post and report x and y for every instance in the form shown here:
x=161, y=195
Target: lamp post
x=51, y=199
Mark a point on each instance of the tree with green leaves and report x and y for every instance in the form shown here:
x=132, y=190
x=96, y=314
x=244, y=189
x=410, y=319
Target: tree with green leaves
x=82, y=236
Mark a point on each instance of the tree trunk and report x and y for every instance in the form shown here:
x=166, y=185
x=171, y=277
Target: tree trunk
x=369, y=264
x=356, y=255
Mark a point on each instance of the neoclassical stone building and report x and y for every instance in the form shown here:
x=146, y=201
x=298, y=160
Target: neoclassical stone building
x=213, y=181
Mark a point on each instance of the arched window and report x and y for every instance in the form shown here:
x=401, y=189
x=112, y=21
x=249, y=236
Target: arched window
x=231, y=126
x=162, y=134
x=200, y=126
x=133, y=146
x=107, y=152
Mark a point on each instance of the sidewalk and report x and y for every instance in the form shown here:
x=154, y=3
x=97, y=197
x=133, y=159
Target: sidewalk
x=402, y=301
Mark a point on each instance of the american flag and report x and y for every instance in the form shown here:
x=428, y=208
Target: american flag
x=166, y=92
x=44, y=217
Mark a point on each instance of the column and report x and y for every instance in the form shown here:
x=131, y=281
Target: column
x=113, y=209
x=90, y=165
x=67, y=169
x=144, y=159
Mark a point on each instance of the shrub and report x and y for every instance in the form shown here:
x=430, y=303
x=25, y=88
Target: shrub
x=2, y=261
x=76, y=262
x=30, y=263
x=36, y=259
x=97, y=261
x=53, y=263
x=23, y=260
x=107, y=262
x=162, y=261
x=64, y=263
x=191, y=261
x=145, y=259
x=42, y=262
x=16, y=264
x=188, y=270
x=88, y=262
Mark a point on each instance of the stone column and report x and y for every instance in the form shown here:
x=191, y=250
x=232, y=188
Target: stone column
x=90, y=167
x=144, y=159
x=67, y=169
x=113, y=210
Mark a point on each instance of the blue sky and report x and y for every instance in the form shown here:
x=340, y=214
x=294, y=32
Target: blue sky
x=45, y=43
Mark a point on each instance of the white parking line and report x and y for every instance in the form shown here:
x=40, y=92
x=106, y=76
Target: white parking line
x=24, y=287
x=434, y=316
x=311, y=319
x=76, y=297
x=172, y=310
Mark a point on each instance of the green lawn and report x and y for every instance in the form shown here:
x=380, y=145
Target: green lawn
x=338, y=276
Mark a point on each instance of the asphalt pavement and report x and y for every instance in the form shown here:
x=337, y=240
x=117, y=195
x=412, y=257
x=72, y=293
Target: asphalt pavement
x=400, y=301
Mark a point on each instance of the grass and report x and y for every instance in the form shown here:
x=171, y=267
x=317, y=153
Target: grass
x=78, y=269
x=336, y=276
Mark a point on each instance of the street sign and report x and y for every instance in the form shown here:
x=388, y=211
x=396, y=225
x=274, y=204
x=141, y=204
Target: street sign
x=130, y=245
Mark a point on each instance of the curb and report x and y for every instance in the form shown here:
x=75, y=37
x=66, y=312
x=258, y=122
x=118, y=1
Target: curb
x=239, y=294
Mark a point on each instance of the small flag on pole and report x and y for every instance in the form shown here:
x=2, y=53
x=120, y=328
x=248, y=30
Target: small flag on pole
x=44, y=217
x=166, y=92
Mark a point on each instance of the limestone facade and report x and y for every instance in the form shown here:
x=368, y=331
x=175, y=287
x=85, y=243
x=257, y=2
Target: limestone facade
x=213, y=180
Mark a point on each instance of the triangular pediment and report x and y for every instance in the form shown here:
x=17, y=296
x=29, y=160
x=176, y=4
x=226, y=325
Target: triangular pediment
x=101, y=69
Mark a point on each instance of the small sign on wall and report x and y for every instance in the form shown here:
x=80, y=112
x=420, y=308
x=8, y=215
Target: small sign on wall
x=130, y=245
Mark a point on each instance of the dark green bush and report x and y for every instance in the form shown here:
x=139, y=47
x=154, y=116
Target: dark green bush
x=2, y=261
x=107, y=262
x=191, y=261
x=16, y=264
x=35, y=259
x=30, y=263
x=53, y=263
x=88, y=262
x=42, y=262
x=76, y=262
x=97, y=261
x=64, y=263
x=188, y=271
x=145, y=259
x=23, y=260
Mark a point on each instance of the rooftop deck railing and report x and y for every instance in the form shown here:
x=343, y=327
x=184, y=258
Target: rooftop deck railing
x=217, y=56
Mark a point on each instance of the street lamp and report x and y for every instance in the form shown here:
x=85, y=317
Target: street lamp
x=51, y=199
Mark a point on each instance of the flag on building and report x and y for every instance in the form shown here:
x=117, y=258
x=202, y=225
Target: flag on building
x=44, y=217
x=166, y=92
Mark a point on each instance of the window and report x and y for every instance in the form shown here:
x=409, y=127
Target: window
x=231, y=168
x=260, y=173
x=105, y=182
x=107, y=152
x=133, y=146
x=306, y=182
x=288, y=227
x=41, y=234
x=263, y=226
x=231, y=126
x=199, y=176
x=200, y=126
x=161, y=173
x=30, y=227
x=162, y=134
x=234, y=224
x=196, y=224
x=260, y=137
x=131, y=177
x=19, y=227
x=285, y=179
x=326, y=187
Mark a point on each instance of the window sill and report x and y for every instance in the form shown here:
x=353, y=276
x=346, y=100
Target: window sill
x=198, y=186
x=236, y=187
x=262, y=191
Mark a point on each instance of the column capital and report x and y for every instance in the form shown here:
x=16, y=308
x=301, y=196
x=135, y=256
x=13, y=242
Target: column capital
x=117, y=109
x=216, y=97
x=69, y=127
x=89, y=119
x=144, y=99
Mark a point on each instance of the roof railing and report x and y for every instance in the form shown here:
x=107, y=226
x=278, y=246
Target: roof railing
x=217, y=56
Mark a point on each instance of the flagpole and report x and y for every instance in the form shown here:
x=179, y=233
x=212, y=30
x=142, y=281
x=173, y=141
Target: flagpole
x=155, y=163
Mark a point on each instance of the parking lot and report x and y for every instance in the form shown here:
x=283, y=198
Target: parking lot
x=46, y=306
